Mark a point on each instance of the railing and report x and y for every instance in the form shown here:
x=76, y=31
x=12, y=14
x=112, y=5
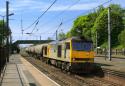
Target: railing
x=113, y=52
x=3, y=57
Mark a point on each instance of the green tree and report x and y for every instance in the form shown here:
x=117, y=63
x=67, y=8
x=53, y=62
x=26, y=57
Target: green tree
x=61, y=36
x=4, y=32
x=83, y=24
x=49, y=38
x=101, y=25
x=97, y=22
x=68, y=34
x=122, y=38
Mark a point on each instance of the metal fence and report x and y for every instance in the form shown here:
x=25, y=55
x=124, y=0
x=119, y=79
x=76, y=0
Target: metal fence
x=3, y=58
x=113, y=51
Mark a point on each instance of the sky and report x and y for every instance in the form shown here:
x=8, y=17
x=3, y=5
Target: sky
x=65, y=11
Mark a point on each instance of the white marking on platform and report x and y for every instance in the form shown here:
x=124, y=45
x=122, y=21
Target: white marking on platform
x=46, y=76
x=39, y=72
x=23, y=75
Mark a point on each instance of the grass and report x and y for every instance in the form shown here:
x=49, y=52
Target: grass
x=105, y=45
x=119, y=47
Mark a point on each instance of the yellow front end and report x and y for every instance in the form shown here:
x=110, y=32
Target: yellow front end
x=82, y=56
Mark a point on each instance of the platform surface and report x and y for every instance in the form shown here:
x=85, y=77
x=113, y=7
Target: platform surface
x=20, y=72
x=116, y=63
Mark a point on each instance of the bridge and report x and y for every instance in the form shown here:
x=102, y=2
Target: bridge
x=31, y=42
x=15, y=45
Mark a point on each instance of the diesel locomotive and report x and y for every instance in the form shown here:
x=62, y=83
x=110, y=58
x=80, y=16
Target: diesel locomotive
x=72, y=54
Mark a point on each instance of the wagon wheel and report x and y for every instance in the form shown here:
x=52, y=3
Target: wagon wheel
x=68, y=67
x=63, y=66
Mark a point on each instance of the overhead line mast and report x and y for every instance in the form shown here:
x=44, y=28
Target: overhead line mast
x=109, y=34
x=57, y=30
x=22, y=25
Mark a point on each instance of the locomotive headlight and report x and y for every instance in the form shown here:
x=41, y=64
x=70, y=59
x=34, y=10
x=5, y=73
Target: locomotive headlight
x=87, y=53
x=73, y=59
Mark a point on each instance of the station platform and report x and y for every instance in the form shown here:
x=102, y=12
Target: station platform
x=117, y=63
x=20, y=72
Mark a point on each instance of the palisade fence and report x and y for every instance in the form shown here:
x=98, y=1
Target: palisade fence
x=113, y=52
x=3, y=57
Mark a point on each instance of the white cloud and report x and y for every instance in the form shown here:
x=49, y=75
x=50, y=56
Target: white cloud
x=3, y=10
x=31, y=5
x=23, y=3
x=83, y=6
x=27, y=4
x=75, y=7
x=17, y=5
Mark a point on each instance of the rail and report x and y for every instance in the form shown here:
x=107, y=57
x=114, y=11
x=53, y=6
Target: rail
x=76, y=78
x=114, y=72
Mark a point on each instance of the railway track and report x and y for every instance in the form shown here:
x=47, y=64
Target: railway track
x=95, y=81
x=65, y=79
x=114, y=76
x=113, y=72
x=53, y=73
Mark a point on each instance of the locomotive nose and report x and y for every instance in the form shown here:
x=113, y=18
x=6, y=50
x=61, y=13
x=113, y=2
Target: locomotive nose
x=82, y=56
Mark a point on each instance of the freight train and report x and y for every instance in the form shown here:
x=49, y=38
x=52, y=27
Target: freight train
x=72, y=54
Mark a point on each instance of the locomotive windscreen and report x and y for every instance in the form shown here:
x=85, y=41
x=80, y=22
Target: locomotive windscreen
x=82, y=46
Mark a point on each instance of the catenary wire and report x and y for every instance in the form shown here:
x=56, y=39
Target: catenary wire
x=84, y=12
x=40, y=15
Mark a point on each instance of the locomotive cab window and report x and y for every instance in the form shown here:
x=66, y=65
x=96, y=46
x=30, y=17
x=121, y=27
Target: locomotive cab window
x=45, y=50
x=59, y=53
x=66, y=48
x=67, y=45
x=82, y=46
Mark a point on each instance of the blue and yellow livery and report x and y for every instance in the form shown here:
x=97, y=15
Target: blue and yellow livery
x=72, y=54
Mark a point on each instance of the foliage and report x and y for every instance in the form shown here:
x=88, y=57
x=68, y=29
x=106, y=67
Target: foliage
x=96, y=23
x=4, y=32
x=61, y=36
x=101, y=26
x=82, y=26
x=122, y=38
x=3, y=29
x=119, y=47
x=49, y=38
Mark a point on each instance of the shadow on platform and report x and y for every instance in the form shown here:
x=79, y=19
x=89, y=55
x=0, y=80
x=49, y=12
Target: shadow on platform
x=32, y=84
x=101, y=64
